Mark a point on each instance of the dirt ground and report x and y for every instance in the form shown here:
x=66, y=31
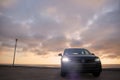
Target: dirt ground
x=42, y=73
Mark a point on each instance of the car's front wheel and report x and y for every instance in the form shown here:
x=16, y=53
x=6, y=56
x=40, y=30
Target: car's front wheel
x=63, y=72
x=96, y=74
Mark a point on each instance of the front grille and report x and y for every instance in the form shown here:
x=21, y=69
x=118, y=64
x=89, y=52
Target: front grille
x=89, y=61
x=83, y=60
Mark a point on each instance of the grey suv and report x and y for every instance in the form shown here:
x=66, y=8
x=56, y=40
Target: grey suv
x=80, y=60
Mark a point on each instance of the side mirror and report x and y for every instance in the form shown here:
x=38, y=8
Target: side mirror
x=92, y=53
x=60, y=54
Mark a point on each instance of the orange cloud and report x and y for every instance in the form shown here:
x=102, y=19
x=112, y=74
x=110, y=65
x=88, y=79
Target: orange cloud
x=45, y=32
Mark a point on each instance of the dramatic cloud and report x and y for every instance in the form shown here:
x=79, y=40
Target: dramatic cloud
x=44, y=28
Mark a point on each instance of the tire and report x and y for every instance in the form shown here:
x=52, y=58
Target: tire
x=63, y=72
x=96, y=74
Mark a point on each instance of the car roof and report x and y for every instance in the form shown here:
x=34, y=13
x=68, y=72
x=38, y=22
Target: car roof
x=75, y=48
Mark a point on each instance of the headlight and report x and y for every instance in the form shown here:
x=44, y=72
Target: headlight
x=97, y=60
x=65, y=59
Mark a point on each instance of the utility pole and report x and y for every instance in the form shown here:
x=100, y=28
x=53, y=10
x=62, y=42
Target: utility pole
x=14, y=52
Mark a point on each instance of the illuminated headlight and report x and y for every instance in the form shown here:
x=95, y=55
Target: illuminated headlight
x=65, y=59
x=97, y=60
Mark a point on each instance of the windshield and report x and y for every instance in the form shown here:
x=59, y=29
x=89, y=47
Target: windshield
x=76, y=52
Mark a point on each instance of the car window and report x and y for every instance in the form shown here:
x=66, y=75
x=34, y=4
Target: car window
x=86, y=52
x=76, y=52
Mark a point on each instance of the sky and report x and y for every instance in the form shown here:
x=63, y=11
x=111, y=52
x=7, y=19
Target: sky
x=44, y=28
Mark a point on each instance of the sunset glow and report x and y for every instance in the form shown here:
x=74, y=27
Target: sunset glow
x=45, y=28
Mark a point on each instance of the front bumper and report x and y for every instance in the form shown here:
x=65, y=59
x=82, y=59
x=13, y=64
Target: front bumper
x=82, y=67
